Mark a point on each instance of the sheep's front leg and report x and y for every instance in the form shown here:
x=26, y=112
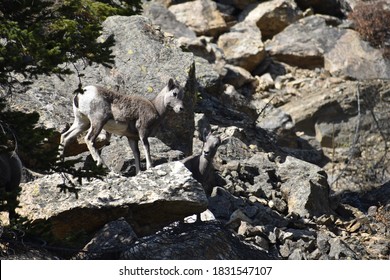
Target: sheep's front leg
x=134, y=147
x=145, y=143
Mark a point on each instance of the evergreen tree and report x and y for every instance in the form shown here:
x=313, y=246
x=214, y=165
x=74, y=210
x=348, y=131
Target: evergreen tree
x=39, y=36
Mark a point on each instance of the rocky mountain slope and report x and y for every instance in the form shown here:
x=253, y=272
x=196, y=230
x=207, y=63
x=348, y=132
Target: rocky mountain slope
x=301, y=102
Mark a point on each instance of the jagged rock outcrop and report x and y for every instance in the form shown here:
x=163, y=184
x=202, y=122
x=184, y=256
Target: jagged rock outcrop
x=59, y=210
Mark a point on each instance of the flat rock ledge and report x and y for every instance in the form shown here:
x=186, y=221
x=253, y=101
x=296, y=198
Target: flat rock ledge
x=55, y=209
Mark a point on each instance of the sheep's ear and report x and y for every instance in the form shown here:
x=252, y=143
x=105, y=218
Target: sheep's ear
x=171, y=84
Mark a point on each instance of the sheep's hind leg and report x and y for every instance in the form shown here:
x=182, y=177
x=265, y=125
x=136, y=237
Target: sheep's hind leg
x=71, y=134
x=90, y=140
x=143, y=133
x=134, y=147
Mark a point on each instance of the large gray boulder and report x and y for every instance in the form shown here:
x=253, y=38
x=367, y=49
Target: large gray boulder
x=58, y=210
x=160, y=15
x=305, y=42
x=271, y=17
x=353, y=57
x=243, y=45
x=304, y=187
x=315, y=42
x=144, y=61
x=202, y=16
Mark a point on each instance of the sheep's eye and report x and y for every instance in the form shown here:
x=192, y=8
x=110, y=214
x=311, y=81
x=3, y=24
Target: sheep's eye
x=174, y=93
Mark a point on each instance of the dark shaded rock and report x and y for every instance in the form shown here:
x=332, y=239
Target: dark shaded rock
x=273, y=119
x=109, y=241
x=207, y=77
x=15, y=245
x=268, y=217
x=306, y=192
x=237, y=76
x=328, y=7
x=205, y=241
x=222, y=203
x=239, y=4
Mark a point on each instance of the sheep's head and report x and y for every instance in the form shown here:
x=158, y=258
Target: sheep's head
x=174, y=96
x=211, y=146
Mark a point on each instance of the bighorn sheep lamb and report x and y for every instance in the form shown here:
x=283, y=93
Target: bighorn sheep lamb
x=132, y=116
x=10, y=170
x=201, y=165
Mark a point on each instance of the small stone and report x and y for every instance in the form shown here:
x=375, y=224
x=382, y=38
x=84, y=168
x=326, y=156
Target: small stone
x=284, y=250
x=237, y=217
x=354, y=226
x=243, y=229
x=262, y=242
x=280, y=205
x=372, y=211
x=297, y=254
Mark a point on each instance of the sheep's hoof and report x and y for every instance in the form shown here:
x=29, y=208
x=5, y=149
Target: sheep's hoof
x=113, y=174
x=148, y=166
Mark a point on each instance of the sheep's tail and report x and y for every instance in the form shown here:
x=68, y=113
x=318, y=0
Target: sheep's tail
x=76, y=101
